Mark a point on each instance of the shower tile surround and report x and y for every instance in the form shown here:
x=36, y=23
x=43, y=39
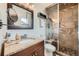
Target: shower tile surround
x=68, y=16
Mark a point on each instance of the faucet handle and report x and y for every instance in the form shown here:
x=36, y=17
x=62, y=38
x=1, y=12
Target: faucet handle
x=7, y=35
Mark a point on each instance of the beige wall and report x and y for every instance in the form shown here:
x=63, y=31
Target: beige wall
x=3, y=17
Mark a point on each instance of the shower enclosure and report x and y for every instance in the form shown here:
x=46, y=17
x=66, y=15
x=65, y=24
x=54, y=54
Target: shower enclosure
x=64, y=18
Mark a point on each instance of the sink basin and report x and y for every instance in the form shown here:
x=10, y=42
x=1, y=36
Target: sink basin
x=28, y=41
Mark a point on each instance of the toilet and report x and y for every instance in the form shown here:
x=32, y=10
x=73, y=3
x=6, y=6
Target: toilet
x=49, y=49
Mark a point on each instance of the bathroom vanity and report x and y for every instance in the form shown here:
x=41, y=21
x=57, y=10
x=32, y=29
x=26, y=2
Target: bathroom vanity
x=27, y=47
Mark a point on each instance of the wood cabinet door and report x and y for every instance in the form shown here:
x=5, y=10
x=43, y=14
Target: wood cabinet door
x=39, y=52
x=39, y=49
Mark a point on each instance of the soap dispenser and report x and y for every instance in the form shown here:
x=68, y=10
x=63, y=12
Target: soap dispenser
x=18, y=38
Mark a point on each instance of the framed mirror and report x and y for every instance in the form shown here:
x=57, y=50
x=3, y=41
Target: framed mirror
x=19, y=17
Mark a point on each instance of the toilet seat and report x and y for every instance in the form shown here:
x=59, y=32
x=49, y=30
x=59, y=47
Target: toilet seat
x=50, y=48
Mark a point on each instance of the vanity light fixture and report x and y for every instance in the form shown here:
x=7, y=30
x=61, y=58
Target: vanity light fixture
x=27, y=5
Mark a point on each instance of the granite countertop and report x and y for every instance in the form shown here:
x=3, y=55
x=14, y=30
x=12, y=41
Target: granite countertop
x=20, y=46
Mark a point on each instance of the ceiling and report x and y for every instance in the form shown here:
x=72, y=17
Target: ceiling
x=39, y=5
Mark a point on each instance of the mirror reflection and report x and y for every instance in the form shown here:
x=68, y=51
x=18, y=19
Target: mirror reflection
x=19, y=18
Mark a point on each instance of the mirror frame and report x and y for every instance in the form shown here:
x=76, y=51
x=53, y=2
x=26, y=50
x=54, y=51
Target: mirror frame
x=9, y=5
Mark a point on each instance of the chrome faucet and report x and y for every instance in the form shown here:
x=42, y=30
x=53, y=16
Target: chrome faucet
x=24, y=36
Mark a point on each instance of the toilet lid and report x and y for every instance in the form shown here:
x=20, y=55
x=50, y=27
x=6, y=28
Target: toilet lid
x=50, y=47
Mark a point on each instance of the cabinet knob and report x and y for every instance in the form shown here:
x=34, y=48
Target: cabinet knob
x=36, y=54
